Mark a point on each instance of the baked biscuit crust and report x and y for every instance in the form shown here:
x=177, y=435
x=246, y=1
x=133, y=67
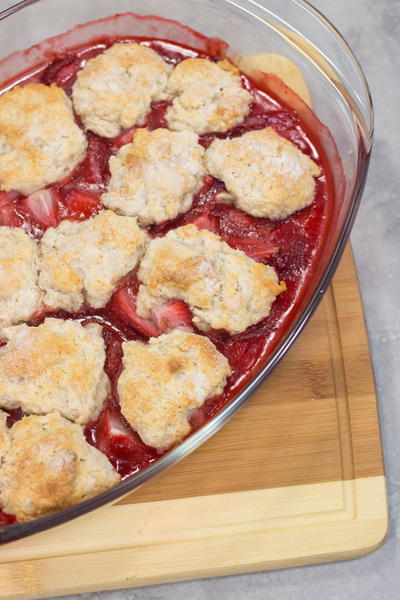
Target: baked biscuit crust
x=156, y=176
x=224, y=288
x=164, y=380
x=267, y=175
x=50, y=466
x=85, y=260
x=40, y=142
x=114, y=90
x=20, y=296
x=57, y=365
x=208, y=96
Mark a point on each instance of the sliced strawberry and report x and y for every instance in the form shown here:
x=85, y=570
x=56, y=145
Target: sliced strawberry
x=156, y=116
x=62, y=71
x=171, y=314
x=7, y=519
x=114, y=424
x=113, y=436
x=14, y=415
x=8, y=210
x=67, y=178
x=208, y=181
x=200, y=415
x=207, y=221
x=112, y=432
x=197, y=418
x=206, y=139
x=123, y=138
x=39, y=315
x=8, y=197
x=66, y=74
x=95, y=164
x=235, y=222
x=259, y=249
x=243, y=354
x=79, y=205
x=248, y=234
x=125, y=302
x=43, y=207
x=295, y=248
x=113, y=342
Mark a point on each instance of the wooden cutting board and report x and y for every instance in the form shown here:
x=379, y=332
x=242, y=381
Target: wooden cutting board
x=296, y=477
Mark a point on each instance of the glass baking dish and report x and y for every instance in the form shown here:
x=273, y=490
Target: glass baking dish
x=341, y=100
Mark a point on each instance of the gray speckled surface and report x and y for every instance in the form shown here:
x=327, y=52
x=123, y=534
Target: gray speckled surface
x=372, y=28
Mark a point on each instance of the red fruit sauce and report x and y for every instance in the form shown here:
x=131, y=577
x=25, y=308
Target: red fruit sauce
x=292, y=246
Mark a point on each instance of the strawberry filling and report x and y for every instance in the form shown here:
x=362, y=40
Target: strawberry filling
x=42, y=207
x=124, y=303
x=112, y=435
x=80, y=205
x=291, y=246
x=9, y=215
x=171, y=314
x=123, y=138
x=207, y=221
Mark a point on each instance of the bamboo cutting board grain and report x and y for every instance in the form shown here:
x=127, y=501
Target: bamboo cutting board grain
x=296, y=477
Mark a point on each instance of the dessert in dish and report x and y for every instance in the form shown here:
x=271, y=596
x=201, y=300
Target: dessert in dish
x=160, y=216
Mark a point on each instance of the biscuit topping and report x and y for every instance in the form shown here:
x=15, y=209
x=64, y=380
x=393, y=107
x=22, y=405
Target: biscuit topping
x=84, y=261
x=114, y=90
x=50, y=466
x=20, y=296
x=164, y=380
x=156, y=176
x=40, y=142
x=224, y=288
x=57, y=365
x=267, y=175
x=100, y=285
x=208, y=96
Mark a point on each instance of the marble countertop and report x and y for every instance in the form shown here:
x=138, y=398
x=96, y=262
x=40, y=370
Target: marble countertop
x=372, y=27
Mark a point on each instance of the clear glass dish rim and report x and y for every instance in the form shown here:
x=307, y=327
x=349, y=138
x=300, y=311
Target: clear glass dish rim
x=13, y=532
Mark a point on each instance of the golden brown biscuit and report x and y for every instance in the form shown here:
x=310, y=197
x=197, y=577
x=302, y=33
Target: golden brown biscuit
x=40, y=142
x=224, y=288
x=84, y=261
x=114, y=90
x=50, y=466
x=156, y=176
x=164, y=380
x=267, y=175
x=20, y=296
x=57, y=365
x=208, y=96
